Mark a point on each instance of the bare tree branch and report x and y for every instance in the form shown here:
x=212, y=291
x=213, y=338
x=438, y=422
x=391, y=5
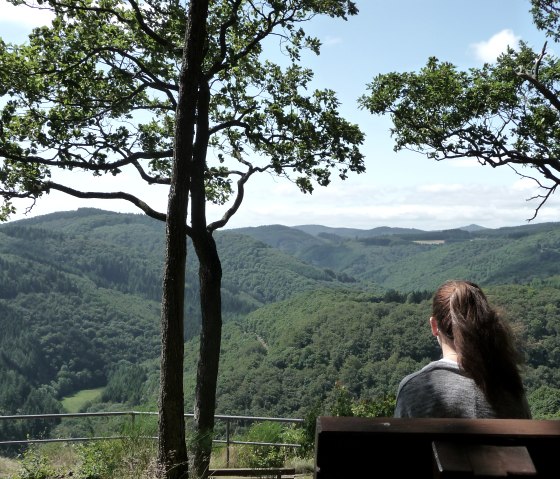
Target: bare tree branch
x=116, y=195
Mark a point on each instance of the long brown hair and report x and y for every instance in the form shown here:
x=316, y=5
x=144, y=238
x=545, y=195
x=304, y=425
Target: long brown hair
x=484, y=342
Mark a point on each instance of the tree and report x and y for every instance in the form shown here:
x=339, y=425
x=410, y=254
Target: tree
x=501, y=114
x=180, y=94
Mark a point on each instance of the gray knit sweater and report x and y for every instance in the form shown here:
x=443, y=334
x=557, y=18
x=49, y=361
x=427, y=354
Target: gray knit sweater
x=441, y=389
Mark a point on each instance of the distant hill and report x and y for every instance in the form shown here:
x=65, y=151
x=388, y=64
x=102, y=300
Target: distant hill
x=408, y=259
x=317, y=230
x=284, y=238
x=80, y=303
x=289, y=357
x=473, y=227
x=82, y=291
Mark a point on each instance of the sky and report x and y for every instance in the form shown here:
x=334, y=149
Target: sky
x=403, y=189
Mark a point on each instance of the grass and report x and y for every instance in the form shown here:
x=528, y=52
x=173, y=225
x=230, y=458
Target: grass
x=76, y=402
x=132, y=458
x=303, y=466
x=8, y=467
x=117, y=459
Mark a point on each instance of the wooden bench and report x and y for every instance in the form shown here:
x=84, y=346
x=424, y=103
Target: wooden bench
x=347, y=447
x=269, y=472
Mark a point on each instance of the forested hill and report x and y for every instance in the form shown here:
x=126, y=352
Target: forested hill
x=289, y=357
x=408, y=260
x=303, y=307
x=80, y=295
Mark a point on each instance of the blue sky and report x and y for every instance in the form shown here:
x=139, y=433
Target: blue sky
x=404, y=189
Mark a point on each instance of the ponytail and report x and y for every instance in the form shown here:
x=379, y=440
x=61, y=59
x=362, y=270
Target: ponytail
x=484, y=343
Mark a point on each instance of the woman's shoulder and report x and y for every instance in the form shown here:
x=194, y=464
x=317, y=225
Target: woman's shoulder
x=424, y=393
x=442, y=365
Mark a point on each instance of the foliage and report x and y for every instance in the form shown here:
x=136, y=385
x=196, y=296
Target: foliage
x=545, y=402
x=375, y=407
x=328, y=336
x=125, y=384
x=35, y=465
x=263, y=456
x=99, y=459
x=101, y=87
x=70, y=327
x=309, y=428
x=341, y=403
x=292, y=335
x=546, y=15
x=403, y=263
x=160, y=89
x=315, y=346
x=504, y=113
x=129, y=458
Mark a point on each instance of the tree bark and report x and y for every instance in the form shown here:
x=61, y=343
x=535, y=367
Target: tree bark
x=172, y=451
x=210, y=278
x=210, y=275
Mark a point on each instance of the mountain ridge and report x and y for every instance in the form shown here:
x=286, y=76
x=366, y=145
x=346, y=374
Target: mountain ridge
x=90, y=281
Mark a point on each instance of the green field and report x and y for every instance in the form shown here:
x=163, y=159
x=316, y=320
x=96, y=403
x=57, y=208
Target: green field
x=74, y=403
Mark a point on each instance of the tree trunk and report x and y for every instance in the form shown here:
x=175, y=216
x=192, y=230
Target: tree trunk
x=210, y=278
x=210, y=275
x=172, y=450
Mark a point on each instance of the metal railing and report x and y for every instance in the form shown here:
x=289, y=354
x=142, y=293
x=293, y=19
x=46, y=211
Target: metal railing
x=228, y=441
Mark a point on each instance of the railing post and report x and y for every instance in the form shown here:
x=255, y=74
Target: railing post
x=227, y=442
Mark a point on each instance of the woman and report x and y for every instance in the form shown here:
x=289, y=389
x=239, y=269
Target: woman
x=478, y=376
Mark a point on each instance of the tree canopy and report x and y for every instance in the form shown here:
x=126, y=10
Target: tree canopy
x=97, y=91
x=184, y=95
x=505, y=113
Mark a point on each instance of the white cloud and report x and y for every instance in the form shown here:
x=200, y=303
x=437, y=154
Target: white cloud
x=23, y=15
x=487, y=51
x=352, y=205
x=430, y=206
x=464, y=163
x=330, y=40
x=441, y=188
x=525, y=184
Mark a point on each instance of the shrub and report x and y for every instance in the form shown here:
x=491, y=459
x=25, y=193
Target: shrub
x=130, y=457
x=35, y=465
x=263, y=456
x=99, y=459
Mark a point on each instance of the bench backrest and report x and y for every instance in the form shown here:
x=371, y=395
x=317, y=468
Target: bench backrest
x=397, y=447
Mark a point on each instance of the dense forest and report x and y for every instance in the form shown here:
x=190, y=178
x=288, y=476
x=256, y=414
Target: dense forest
x=307, y=310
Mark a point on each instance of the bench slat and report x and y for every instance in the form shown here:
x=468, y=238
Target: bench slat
x=402, y=447
x=278, y=472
